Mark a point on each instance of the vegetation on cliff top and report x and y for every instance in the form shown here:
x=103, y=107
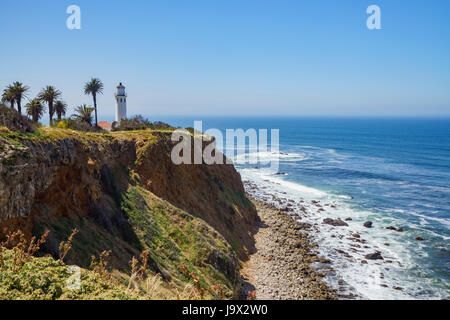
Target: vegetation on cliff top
x=55, y=133
x=84, y=118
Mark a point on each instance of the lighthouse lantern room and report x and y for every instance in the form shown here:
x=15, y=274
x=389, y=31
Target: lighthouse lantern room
x=121, y=103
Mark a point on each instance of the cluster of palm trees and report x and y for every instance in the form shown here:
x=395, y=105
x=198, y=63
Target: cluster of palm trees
x=15, y=93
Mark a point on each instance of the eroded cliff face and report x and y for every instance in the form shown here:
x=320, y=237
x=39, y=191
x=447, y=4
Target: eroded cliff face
x=213, y=192
x=53, y=178
x=124, y=194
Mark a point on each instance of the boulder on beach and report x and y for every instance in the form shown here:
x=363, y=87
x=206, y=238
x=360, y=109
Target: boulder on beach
x=324, y=260
x=303, y=226
x=395, y=229
x=368, y=224
x=374, y=256
x=335, y=222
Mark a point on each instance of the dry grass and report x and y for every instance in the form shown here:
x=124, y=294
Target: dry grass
x=100, y=266
x=65, y=246
x=198, y=291
x=22, y=249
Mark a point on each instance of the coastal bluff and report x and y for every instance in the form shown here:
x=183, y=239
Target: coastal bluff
x=123, y=194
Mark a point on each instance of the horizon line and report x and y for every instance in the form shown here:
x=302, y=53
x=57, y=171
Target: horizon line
x=193, y=115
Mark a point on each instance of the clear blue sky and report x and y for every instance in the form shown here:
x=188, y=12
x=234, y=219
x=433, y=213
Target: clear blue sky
x=236, y=57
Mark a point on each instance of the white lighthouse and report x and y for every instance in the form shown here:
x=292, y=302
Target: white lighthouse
x=121, y=103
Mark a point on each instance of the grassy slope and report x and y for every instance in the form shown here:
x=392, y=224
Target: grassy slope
x=173, y=237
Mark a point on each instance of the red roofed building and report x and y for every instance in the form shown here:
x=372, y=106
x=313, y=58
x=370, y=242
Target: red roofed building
x=105, y=125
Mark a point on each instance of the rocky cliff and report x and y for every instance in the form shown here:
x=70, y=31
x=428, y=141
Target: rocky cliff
x=124, y=194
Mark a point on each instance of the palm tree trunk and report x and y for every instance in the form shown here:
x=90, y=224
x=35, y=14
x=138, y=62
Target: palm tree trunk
x=95, y=107
x=50, y=111
x=11, y=102
x=19, y=106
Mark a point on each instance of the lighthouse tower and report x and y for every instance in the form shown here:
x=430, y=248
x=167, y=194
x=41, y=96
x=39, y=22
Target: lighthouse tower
x=121, y=103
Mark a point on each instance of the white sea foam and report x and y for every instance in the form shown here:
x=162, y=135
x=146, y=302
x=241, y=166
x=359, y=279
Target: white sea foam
x=266, y=157
x=343, y=196
x=443, y=221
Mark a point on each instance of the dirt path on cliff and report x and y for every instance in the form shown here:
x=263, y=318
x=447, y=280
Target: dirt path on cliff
x=281, y=266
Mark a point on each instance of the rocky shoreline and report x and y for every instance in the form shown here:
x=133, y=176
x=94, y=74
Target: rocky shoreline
x=302, y=238
x=281, y=268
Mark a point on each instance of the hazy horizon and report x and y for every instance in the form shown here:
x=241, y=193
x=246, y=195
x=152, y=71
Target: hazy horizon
x=236, y=58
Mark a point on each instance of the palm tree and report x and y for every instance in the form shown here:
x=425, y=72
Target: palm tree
x=84, y=113
x=35, y=109
x=8, y=96
x=49, y=94
x=19, y=91
x=94, y=87
x=60, y=108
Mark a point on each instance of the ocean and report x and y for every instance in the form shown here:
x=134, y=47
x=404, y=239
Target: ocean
x=393, y=172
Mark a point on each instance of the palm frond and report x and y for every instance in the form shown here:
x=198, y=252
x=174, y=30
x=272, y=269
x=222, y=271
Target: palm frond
x=35, y=109
x=60, y=108
x=84, y=113
x=93, y=87
x=49, y=93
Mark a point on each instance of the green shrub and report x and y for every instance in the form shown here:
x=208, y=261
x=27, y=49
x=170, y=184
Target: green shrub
x=75, y=124
x=139, y=123
x=14, y=121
